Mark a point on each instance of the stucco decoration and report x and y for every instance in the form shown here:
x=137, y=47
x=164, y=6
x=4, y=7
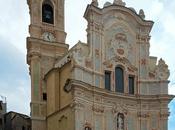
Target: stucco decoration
x=119, y=60
x=95, y=2
x=119, y=108
x=142, y=14
x=120, y=121
x=77, y=105
x=107, y=4
x=143, y=114
x=162, y=70
x=119, y=45
x=119, y=2
x=77, y=54
x=88, y=62
x=120, y=41
x=98, y=108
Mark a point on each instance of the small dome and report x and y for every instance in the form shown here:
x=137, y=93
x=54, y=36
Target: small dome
x=107, y=4
x=131, y=8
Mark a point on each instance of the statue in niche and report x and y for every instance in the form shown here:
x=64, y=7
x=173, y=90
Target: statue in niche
x=119, y=45
x=120, y=121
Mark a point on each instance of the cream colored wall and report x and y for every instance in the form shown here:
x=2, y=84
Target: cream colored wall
x=98, y=109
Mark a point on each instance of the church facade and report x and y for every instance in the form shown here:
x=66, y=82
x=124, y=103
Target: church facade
x=109, y=83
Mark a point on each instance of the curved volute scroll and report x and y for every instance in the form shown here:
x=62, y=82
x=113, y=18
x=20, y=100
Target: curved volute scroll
x=162, y=70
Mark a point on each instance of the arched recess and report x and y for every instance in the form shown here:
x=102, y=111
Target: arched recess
x=47, y=12
x=120, y=121
x=87, y=128
x=119, y=79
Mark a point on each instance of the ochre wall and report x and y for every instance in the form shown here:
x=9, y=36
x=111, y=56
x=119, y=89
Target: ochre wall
x=58, y=101
x=65, y=73
x=52, y=91
x=62, y=120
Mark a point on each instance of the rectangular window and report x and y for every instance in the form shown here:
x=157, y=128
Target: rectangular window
x=131, y=84
x=0, y=121
x=44, y=96
x=0, y=105
x=107, y=80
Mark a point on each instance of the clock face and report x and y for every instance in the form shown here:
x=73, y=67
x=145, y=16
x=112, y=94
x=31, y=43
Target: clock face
x=47, y=36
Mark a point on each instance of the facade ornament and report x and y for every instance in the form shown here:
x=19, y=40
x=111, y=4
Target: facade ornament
x=107, y=4
x=164, y=115
x=162, y=70
x=119, y=44
x=95, y=2
x=143, y=114
x=88, y=62
x=98, y=109
x=75, y=105
x=119, y=108
x=142, y=14
x=67, y=86
x=119, y=2
x=120, y=121
x=78, y=55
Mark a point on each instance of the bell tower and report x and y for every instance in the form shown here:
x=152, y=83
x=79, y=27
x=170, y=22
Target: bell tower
x=45, y=45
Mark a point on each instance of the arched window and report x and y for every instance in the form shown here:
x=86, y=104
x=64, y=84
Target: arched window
x=47, y=13
x=119, y=80
x=120, y=121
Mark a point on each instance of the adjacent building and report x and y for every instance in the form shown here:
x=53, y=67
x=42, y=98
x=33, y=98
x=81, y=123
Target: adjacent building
x=3, y=109
x=109, y=83
x=16, y=121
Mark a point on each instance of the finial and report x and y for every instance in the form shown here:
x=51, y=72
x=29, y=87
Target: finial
x=119, y=2
x=142, y=14
x=95, y=2
x=107, y=4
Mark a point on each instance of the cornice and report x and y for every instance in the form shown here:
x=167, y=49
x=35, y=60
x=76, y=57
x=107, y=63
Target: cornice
x=41, y=42
x=76, y=84
x=141, y=21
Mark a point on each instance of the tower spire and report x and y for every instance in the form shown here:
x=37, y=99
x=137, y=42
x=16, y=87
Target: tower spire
x=119, y=2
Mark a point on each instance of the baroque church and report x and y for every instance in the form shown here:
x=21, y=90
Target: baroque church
x=109, y=83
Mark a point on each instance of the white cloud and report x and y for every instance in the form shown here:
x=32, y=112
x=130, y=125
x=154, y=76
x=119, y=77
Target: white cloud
x=156, y=8
x=168, y=21
x=14, y=22
x=18, y=96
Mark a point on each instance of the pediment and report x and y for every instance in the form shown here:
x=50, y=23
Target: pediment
x=117, y=60
x=127, y=12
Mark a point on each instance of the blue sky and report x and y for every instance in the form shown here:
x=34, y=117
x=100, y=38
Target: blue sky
x=14, y=21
